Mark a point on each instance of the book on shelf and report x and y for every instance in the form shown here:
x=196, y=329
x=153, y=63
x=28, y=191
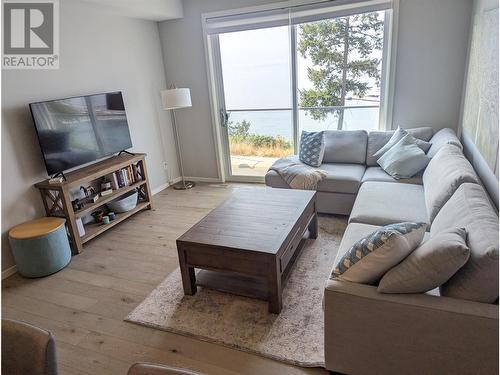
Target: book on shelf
x=124, y=177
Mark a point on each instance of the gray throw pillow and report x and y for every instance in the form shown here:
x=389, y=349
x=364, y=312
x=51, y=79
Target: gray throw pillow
x=430, y=265
x=312, y=148
x=404, y=160
x=371, y=257
x=399, y=134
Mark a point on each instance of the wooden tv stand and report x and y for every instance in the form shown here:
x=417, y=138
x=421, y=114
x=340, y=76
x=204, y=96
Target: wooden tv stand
x=57, y=200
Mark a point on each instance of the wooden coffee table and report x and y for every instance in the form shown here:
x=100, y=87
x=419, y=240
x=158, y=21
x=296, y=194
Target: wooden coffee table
x=248, y=244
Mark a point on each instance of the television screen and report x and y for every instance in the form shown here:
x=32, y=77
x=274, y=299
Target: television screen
x=78, y=130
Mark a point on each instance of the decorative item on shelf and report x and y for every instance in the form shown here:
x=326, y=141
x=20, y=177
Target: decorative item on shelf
x=126, y=202
x=111, y=215
x=172, y=99
x=77, y=204
x=87, y=190
x=97, y=215
x=80, y=226
x=90, y=193
x=106, y=192
x=105, y=219
x=106, y=188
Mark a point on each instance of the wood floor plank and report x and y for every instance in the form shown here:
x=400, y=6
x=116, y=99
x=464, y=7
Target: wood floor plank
x=84, y=305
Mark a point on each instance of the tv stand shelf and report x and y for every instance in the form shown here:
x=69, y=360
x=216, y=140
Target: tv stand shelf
x=57, y=200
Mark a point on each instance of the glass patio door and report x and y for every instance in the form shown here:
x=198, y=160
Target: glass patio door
x=277, y=72
x=256, y=75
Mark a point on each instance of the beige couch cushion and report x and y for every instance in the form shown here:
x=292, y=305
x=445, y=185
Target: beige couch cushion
x=470, y=208
x=372, y=256
x=382, y=203
x=356, y=231
x=378, y=174
x=430, y=265
x=341, y=178
x=442, y=138
x=345, y=146
x=377, y=140
x=447, y=170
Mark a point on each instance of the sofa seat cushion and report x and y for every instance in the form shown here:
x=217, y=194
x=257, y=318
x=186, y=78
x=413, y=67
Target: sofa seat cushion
x=447, y=170
x=382, y=203
x=378, y=174
x=341, y=178
x=378, y=139
x=471, y=209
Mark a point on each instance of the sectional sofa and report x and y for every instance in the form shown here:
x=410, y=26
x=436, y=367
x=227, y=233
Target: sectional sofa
x=453, y=330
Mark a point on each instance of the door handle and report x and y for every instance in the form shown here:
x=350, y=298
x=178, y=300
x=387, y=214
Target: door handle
x=224, y=117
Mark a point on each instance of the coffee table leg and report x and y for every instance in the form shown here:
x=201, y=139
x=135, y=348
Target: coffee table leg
x=313, y=227
x=187, y=273
x=274, y=285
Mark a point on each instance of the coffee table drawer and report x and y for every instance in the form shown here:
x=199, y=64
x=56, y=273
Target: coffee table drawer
x=292, y=246
x=223, y=261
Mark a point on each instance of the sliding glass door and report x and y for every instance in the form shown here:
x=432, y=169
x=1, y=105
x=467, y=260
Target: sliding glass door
x=305, y=72
x=256, y=75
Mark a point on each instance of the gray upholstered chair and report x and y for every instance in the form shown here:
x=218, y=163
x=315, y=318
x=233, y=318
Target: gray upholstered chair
x=27, y=350
x=153, y=369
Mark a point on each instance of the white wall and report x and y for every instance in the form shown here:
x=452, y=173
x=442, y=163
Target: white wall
x=431, y=57
x=98, y=52
x=432, y=45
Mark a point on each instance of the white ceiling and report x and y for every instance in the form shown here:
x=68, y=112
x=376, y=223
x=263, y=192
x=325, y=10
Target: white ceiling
x=154, y=10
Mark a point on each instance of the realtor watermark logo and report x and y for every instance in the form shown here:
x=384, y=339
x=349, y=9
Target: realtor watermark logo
x=30, y=34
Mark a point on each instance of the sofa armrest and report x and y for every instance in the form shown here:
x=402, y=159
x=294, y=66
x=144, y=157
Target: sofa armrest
x=367, y=332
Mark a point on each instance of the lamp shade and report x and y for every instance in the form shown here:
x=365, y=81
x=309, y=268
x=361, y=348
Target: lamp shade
x=176, y=98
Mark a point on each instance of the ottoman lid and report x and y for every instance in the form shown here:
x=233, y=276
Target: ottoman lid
x=36, y=228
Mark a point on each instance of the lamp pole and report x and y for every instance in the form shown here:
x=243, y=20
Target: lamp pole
x=183, y=185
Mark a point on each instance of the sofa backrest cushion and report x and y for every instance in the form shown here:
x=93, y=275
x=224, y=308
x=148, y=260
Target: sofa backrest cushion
x=471, y=209
x=446, y=171
x=345, y=146
x=377, y=140
x=441, y=138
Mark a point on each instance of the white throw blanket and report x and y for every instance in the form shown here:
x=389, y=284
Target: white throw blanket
x=298, y=175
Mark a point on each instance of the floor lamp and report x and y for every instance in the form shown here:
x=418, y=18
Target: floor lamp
x=173, y=99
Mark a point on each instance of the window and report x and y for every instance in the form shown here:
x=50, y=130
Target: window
x=339, y=68
x=278, y=71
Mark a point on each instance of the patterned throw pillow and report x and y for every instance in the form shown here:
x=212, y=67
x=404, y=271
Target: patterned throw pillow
x=312, y=148
x=371, y=257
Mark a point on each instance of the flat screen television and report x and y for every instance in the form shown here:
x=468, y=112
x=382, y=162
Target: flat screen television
x=79, y=130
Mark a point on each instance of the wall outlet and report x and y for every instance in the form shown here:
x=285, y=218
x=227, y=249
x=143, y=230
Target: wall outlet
x=167, y=172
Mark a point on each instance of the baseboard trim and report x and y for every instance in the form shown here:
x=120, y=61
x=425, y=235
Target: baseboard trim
x=204, y=179
x=9, y=272
x=164, y=186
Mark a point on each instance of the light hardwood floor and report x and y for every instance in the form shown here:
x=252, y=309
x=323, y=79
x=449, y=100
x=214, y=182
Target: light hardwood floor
x=84, y=304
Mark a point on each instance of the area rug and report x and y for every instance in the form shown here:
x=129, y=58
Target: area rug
x=294, y=336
